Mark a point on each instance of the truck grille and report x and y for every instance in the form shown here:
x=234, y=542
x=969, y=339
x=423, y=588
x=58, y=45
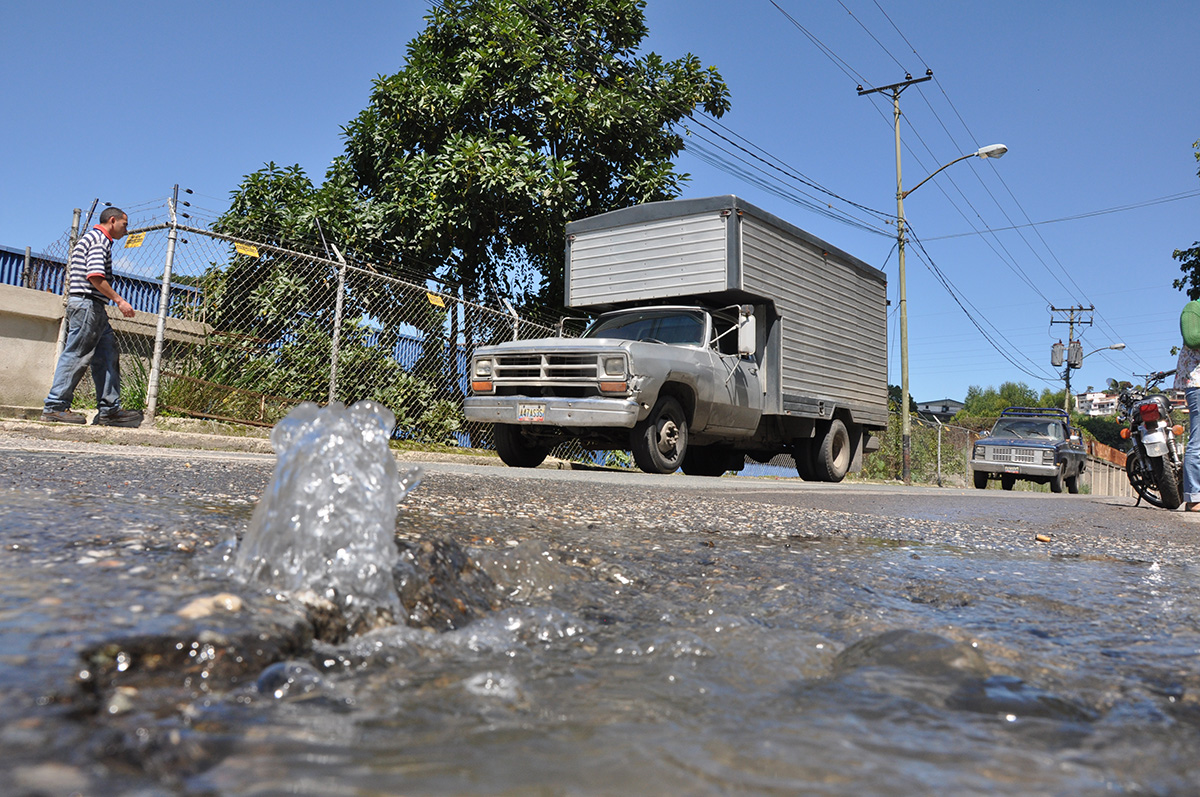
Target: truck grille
x=1008, y=454
x=547, y=367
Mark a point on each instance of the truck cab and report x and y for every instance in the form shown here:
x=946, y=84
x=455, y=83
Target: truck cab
x=657, y=380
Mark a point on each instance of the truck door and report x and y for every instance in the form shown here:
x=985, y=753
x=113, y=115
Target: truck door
x=737, y=392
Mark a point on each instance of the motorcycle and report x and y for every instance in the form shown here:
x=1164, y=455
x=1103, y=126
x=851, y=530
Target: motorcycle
x=1154, y=461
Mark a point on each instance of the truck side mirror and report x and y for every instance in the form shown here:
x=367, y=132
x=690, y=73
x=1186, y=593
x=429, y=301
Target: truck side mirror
x=747, y=332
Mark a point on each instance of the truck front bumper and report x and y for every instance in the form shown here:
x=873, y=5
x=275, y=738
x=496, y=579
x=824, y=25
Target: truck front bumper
x=566, y=412
x=1013, y=469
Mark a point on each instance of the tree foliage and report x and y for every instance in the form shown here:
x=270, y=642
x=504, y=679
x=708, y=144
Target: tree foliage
x=990, y=402
x=510, y=118
x=1189, y=259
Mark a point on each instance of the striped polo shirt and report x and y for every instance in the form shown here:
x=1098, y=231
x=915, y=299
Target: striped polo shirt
x=91, y=257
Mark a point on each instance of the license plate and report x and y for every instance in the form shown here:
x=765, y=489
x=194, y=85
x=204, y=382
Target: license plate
x=535, y=413
x=1011, y=469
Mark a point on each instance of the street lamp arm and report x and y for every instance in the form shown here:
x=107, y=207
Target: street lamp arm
x=931, y=176
x=990, y=151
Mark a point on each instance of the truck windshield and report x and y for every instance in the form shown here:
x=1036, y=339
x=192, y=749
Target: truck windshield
x=680, y=327
x=1028, y=429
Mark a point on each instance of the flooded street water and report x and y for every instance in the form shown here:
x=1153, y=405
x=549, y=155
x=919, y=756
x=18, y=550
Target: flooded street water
x=644, y=641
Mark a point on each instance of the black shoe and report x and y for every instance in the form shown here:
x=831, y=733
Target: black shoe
x=118, y=418
x=64, y=416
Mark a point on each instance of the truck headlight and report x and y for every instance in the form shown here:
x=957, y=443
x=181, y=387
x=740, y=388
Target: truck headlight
x=481, y=379
x=1047, y=457
x=614, y=366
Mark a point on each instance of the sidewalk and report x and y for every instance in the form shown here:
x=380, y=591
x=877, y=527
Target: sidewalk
x=180, y=433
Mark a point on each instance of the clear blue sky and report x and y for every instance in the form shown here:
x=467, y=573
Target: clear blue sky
x=1094, y=98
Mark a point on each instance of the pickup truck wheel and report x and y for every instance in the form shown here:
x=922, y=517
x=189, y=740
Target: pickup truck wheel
x=660, y=442
x=1056, y=481
x=1073, y=484
x=981, y=479
x=833, y=454
x=1007, y=482
x=515, y=450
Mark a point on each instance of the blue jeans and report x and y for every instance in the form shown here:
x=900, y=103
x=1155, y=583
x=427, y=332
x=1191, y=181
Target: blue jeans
x=1191, y=457
x=90, y=342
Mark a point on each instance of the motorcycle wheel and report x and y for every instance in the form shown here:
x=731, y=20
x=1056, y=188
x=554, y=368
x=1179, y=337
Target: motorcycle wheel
x=1142, y=478
x=1167, y=481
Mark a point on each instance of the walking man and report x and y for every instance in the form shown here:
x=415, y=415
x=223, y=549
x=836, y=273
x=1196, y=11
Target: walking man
x=90, y=338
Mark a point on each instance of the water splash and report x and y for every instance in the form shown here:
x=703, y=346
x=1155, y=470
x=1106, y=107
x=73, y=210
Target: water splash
x=324, y=530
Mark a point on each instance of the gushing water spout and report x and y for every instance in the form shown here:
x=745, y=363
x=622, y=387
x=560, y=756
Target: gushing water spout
x=324, y=530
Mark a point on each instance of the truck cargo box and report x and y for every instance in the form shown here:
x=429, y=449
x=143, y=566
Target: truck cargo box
x=825, y=337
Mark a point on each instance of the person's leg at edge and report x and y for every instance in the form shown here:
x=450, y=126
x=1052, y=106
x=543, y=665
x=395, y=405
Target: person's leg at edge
x=106, y=370
x=76, y=355
x=1191, y=456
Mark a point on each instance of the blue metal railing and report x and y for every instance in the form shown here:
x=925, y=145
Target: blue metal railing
x=46, y=273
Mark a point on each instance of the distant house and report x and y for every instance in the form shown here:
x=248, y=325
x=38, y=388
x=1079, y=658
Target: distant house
x=942, y=409
x=1095, y=404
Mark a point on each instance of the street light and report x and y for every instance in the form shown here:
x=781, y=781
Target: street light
x=990, y=151
x=1067, y=371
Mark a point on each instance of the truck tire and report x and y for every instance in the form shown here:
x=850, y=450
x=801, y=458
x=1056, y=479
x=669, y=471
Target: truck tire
x=802, y=453
x=708, y=460
x=833, y=454
x=1073, y=483
x=1056, y=481
x=981, y=479
x=660, y=442
x=516, y=451
x=1007, y=482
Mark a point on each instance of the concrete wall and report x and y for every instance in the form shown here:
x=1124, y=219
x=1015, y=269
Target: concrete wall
x=29, y=324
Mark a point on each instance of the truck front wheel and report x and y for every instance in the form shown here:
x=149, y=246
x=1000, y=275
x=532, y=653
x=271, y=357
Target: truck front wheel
x=515, y=450
x=660, y=442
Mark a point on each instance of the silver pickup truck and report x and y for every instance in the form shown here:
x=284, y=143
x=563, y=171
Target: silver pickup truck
x=670, y=383
x=721, y=332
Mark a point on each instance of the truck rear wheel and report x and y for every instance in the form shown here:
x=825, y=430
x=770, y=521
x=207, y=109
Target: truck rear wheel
x=833, y=454
x=515, y=449
x=660, y=442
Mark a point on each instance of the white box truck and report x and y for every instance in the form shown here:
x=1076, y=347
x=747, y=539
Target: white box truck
x=723, y=332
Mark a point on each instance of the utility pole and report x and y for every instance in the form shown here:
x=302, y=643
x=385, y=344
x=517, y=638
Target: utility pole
x=1074, y=358
x=905, y=420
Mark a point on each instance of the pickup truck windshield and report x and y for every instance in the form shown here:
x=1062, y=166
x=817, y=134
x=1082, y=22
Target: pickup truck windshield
x=1028, y=429
x=680, y=327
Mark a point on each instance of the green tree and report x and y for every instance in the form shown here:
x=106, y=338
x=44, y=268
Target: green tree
x=1189, y=259
x=896, y=396
x=989, y=402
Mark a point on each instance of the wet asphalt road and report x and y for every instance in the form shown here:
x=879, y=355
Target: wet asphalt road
x=458, y=492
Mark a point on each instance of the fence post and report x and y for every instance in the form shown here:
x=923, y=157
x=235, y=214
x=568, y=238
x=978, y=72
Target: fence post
x=27, y=275
x=337, y=324
x=66, y=286
x=164, y=301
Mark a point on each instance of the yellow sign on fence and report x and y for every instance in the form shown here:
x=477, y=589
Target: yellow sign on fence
x=249, y=250
x=135, y=240
x=434, y=299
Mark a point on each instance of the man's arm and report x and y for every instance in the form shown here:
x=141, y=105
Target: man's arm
x=101, y=284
